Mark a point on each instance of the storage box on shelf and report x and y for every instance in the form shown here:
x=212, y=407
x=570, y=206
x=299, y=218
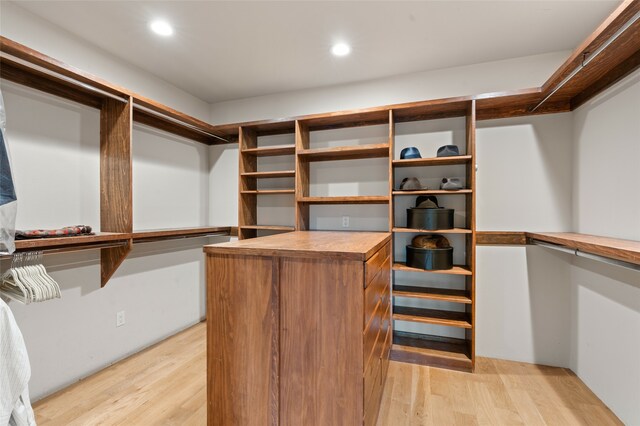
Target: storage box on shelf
x=255, y=181
x=426, y=302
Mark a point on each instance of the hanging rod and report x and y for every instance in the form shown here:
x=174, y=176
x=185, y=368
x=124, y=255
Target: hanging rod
x=63, y=77
x=579, y=253
x=177, y=121
x=590, y=57
x=67, y=249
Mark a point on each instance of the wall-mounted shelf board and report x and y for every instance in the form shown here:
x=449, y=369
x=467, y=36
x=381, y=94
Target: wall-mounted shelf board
x=614, y=248
x=435, y=161
x=270, y=175
x=432, y=293
x=270, y=151
x=269, y=228
x=432, y=316
x=433, y=192
x=355, y=199
x=345, y=152
x=456, y=270
x=434, y=231
x=81, y=240
x=268, y=191
x=501, y=237
x=173, y=233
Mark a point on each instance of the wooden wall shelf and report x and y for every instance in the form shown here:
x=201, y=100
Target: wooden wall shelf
x=270, y=151
x=270, y=228
x=268, y=191
x=435, y=161
x=270, y=175
x=432, y=316
x=431, y=350
x=81, y=240
x=433, y=192
x=432, y=293
x=173, y=233
x=613, y=248
x=456, y=270
x=345, y=152
x=434, y=231
x=355, y=199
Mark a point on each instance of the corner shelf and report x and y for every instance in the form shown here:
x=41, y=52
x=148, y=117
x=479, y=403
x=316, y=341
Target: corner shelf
x=432, y=316
x=456, y=270
x=431, y=293
x=355, y=199
x=345, y=152
x=435, y=161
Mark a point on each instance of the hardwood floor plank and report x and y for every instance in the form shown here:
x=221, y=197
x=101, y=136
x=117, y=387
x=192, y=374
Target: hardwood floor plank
x=165, y=385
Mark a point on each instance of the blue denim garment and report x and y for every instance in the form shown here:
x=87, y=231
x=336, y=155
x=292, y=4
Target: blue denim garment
x=7, y=190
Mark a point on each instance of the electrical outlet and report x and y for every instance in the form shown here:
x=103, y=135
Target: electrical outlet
x=120, y=319
x=345, y=221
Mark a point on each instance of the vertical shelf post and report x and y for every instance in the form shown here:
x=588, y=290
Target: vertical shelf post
x=248, y=203
x=302, y=177
x=116, y=199
x=470, y=281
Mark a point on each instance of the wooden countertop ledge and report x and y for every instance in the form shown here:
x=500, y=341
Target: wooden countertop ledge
x=330, y=244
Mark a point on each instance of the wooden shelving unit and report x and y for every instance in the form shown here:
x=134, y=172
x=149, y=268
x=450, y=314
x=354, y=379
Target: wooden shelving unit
x=119, y=109
x=248, y=192
x=427, y=348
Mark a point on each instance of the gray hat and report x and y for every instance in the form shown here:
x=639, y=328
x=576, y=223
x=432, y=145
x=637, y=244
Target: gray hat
x=451, y=184
x=411, y=184
x=448, y=151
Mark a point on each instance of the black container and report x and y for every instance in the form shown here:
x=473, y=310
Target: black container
x=430, y=219
x=430, y=259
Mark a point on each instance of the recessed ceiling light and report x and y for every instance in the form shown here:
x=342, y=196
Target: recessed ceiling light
x=161, y=28
x=341, y=49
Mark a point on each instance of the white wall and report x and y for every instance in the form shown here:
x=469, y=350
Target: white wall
x=55, y=149
x=511, y=74
x=606, y=201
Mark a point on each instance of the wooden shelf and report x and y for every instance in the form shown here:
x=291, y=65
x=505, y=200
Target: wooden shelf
x=270, y=151
x=81, y=240
x=432, y=350
x=345, y=152
x=456, y=270
x=270, y=175
x=268, y=191
x=269, y=228
x=432, y=316
x=436, y=161
x=431, y=293
x=356, y=199
x=434, y=231
x=174, y=233
x=613, y=248
x=432, y=192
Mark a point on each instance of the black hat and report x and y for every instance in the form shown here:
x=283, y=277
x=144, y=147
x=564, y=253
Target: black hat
x=427, y=202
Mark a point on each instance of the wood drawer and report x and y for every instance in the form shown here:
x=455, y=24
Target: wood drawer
x=375, y=370
x=375, y=293
x=371, y=333
x=376, y=262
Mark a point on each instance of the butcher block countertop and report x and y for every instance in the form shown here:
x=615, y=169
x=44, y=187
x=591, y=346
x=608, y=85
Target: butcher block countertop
x=329, y=244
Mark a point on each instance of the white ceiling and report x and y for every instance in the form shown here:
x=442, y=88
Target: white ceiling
x=237, y=49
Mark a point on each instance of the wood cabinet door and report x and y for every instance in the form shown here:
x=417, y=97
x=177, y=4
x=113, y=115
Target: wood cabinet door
x=242, y=340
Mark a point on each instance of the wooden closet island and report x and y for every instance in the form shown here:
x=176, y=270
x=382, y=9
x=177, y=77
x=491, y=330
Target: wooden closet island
x=298, y=328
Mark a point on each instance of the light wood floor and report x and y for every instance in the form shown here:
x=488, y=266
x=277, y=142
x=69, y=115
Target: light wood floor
x=165, y=385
